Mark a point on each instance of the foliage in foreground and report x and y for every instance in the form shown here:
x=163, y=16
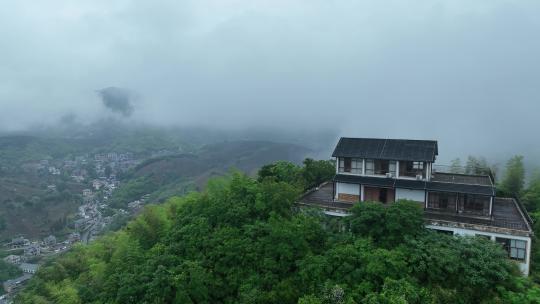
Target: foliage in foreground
x=8, y=271
x=242, y=242
x=310, y=175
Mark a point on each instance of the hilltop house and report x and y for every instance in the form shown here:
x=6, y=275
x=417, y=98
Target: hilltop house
x=387, y=170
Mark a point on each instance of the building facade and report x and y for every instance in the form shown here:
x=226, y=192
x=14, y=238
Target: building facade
x=388, y=170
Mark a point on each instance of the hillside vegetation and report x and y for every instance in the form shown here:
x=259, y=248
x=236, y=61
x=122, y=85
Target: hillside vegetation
x=172, y=175
x=242, y=240
x=28, y=208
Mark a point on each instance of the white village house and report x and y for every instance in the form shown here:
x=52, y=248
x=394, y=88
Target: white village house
x=387, y=170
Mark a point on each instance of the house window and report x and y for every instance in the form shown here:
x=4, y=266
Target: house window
x=411, y=168
x=345, y=164
x=449, y=232
x=370, y=167
x=471, y=203
x=350, y=165
x=392, y=167
x=442, y=200
x=356, y=166
x=516, y=249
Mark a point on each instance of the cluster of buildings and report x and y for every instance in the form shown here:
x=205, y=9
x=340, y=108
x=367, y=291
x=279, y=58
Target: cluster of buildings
x=89, y=218
x=118, y=162
x=27, y=269
x=137, y=204
x=77, y=167
x=30, y=251
x=387, y=170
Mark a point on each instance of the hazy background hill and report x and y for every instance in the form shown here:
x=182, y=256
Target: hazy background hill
x=172, y=161
x=167, y=176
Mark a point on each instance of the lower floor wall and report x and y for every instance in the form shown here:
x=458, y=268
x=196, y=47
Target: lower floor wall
x=348, y=192
x=354, y=193
x=496, y=237
x=351, y=198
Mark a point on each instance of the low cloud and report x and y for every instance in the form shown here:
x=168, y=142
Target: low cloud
x=117, y=100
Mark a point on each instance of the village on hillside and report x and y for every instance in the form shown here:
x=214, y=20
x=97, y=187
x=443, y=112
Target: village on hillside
x=93, y=217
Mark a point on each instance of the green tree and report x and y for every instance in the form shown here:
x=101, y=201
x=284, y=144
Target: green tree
x=403, y=219
x=472, y=265
x=281, y=171
x=455, y=166
x=312, y=174
x=244, y=241
x=387, y=225
x=8, y=271
x=315, y=172
x=400, y=291
x=514, y=177
x=477, y=165
x=531, y=195
x=367, y=220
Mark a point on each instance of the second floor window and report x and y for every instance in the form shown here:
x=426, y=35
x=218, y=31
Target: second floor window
x=356, y=166
x=418, y=165
x=392, y=167
x=370, y=167
x=350, y=165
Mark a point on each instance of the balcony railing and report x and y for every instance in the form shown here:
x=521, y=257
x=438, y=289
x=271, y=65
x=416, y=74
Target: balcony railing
x=462, y=169
x=412, y=173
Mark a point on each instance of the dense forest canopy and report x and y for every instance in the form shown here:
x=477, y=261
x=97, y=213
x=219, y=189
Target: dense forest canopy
x=243, y=240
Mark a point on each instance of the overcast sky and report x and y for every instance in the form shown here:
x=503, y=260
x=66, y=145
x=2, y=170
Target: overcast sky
x=464, y=72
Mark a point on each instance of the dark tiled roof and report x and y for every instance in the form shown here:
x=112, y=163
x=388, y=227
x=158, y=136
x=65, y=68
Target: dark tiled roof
x=506, y=214
x=460, y=188
x=410, y=184
x=391, y=149
x=462, y=178
x=415, y=184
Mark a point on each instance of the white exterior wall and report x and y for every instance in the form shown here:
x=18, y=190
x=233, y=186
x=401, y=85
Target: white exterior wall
x=523, y=266
x=347, y=188
x=413, y=195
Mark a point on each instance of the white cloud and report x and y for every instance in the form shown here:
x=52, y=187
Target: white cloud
x=384, y=68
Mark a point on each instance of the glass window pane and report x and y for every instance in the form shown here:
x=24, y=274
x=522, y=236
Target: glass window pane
x=521, y=254
x=392, y=167
x=521, y=244
x=513, y=252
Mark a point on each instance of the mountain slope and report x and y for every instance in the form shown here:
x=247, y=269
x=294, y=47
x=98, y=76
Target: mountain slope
x=177, y=174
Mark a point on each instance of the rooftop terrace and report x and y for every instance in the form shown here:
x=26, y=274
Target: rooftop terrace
x=506, y=212
x=483, y=180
